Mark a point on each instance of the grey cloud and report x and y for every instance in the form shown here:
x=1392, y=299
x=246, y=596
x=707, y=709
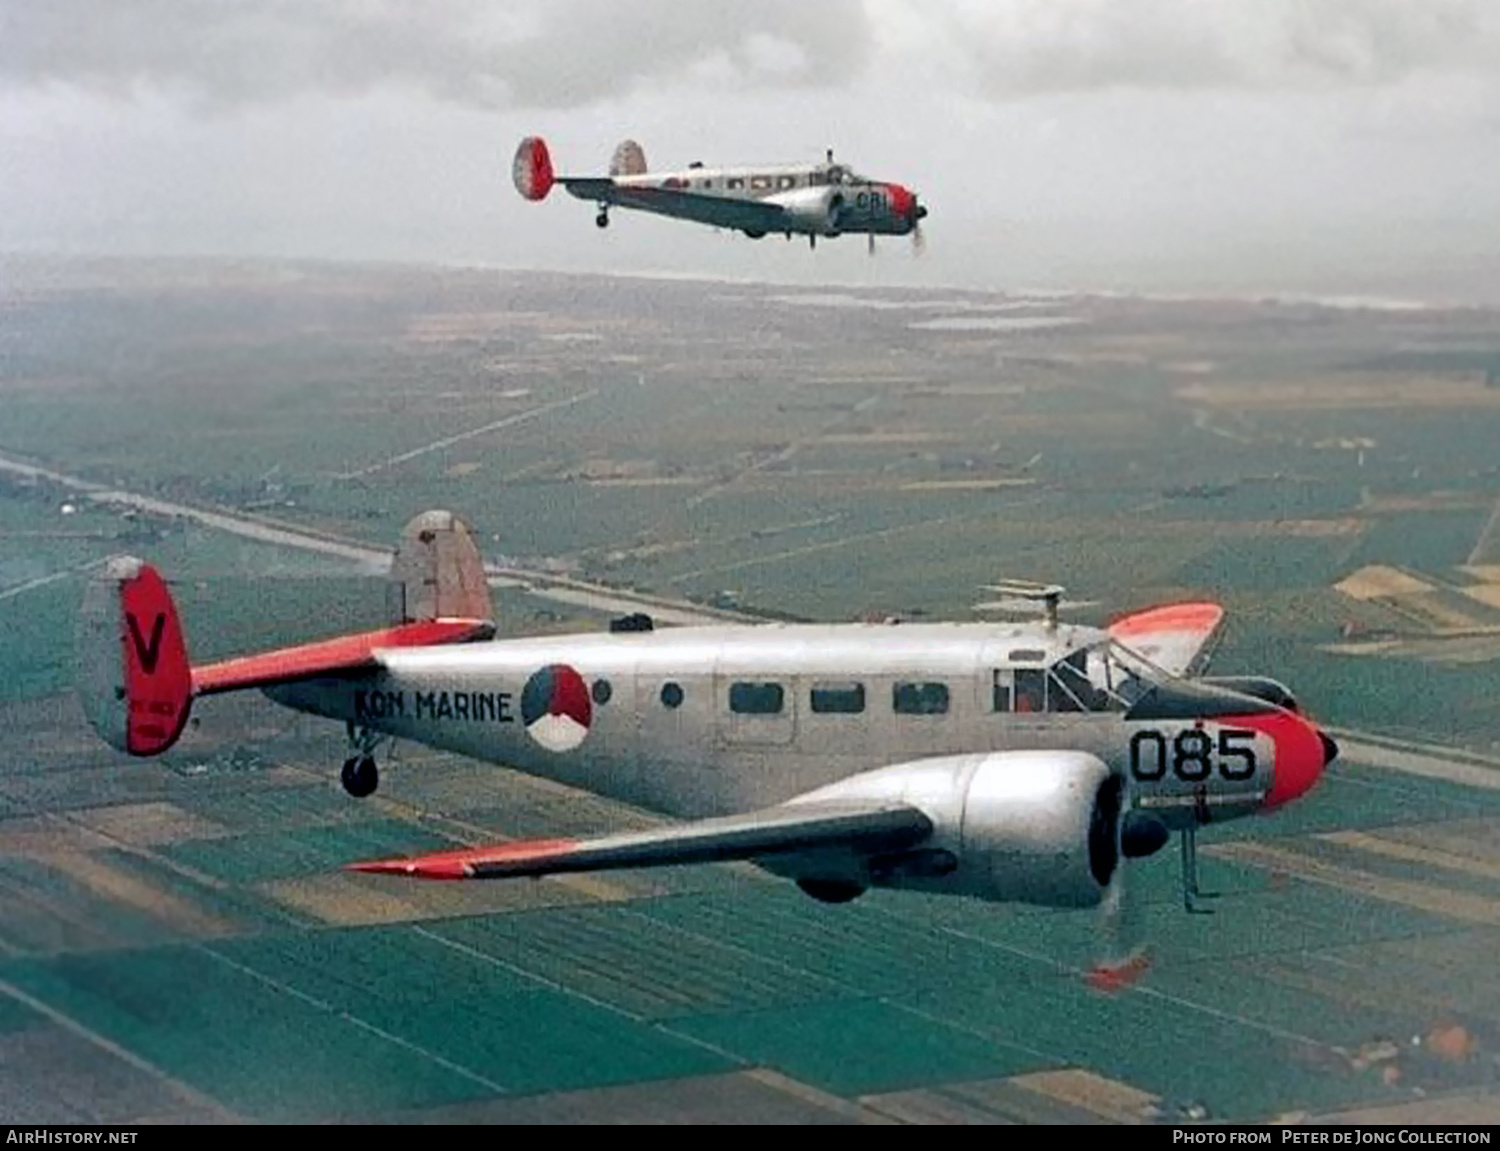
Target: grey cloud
x=1011, y=48
x=536, y=54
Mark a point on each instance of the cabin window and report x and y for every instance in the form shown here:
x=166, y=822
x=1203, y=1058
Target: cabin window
x=602, y=691
x=756, y=698
x=786, y=181
x=920, y=698
x=1000, y=692
x=1026, y=655
x=734, y=183
x=760, y=182
x=817, y=179
x=1031, y=689
x=705, y=183
x=671, y=695
x=838, y=698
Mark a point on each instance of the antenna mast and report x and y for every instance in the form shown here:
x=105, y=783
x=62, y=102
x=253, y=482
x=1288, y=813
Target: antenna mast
x=1050, y=595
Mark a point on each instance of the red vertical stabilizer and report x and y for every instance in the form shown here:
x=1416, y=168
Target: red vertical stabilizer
x=134, y=680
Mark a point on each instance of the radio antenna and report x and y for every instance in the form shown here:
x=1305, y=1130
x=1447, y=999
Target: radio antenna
x=1050, y=596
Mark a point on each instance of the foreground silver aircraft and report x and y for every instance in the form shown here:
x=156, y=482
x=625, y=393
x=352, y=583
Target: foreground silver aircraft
x=1009, y=762
x=809, y=200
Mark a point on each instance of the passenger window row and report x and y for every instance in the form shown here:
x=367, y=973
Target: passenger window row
x=768, y=698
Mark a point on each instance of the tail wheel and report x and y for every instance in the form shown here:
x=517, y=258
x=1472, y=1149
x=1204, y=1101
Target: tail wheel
x=360, y=776
x=602, y=220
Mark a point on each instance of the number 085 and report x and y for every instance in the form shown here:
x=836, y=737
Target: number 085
x=1192, y=755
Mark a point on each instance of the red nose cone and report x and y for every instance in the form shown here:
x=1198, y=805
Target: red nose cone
x=902, y=201
x=1302, y=752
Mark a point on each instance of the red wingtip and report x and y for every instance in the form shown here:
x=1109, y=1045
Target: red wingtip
x=414, y=868
x=1198, y=618
x=461, y=864
x=1116, y=976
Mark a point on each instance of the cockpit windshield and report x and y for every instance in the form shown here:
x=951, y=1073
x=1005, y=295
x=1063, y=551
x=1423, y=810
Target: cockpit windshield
x=839, y=174
x=1104, y=677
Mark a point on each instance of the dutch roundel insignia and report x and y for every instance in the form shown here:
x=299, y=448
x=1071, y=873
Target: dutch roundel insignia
x=555, y=708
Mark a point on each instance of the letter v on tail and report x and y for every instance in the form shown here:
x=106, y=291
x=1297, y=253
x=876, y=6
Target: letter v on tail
x=136, y=690
x=146, y=654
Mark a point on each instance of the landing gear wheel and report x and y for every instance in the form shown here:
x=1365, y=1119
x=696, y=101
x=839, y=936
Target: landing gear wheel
x=602, y=220
x=830, y=890
x=360, y=776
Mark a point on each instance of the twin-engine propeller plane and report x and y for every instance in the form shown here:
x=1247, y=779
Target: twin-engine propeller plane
x=1006, y=762
x=809, y=200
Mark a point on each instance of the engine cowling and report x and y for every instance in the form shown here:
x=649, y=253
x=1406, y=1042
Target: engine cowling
x=1038, y=827
x=1042, y=827
x=812, y=209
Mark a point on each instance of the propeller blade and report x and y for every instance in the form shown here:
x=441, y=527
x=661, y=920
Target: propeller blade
x=870, y=242
x=1124, y=957
x=918, y=241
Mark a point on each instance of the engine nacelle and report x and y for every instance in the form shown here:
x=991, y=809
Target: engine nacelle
x=1042, y=827
x=815, y=210
x=1038, y=827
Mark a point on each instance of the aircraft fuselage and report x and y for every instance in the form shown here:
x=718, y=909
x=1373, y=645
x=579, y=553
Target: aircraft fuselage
x=696, y=722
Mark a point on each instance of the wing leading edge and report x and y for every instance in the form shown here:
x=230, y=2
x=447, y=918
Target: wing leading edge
x=787, y=829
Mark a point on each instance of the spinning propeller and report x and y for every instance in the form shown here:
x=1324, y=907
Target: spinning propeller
x=1122, y=955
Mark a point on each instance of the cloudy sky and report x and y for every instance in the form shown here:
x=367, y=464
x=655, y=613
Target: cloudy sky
x=1322, y=146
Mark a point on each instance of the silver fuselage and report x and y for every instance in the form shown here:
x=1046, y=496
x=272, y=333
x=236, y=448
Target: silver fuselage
x=702, y=757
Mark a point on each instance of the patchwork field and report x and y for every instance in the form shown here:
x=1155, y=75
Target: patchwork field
x=177, y=938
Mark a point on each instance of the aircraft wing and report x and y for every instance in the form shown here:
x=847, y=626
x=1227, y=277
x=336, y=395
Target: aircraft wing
x=1176, y=638
x=345, y=654
x=786, y=829
x=720, y=211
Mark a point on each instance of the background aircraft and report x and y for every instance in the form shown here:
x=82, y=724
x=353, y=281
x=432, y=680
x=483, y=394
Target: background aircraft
x=814, y=200
x=1007, y=762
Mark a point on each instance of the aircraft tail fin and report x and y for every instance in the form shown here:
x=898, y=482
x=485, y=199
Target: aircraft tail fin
x=133, y=677
x=629, y=159
x=437, y=573
x=532, y=168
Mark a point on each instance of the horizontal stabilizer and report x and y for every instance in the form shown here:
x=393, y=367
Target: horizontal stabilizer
x=341, y=655
x=775, y=831
x=1175, y=637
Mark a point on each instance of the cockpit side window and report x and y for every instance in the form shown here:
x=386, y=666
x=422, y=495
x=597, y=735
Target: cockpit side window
x=1031, y=689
